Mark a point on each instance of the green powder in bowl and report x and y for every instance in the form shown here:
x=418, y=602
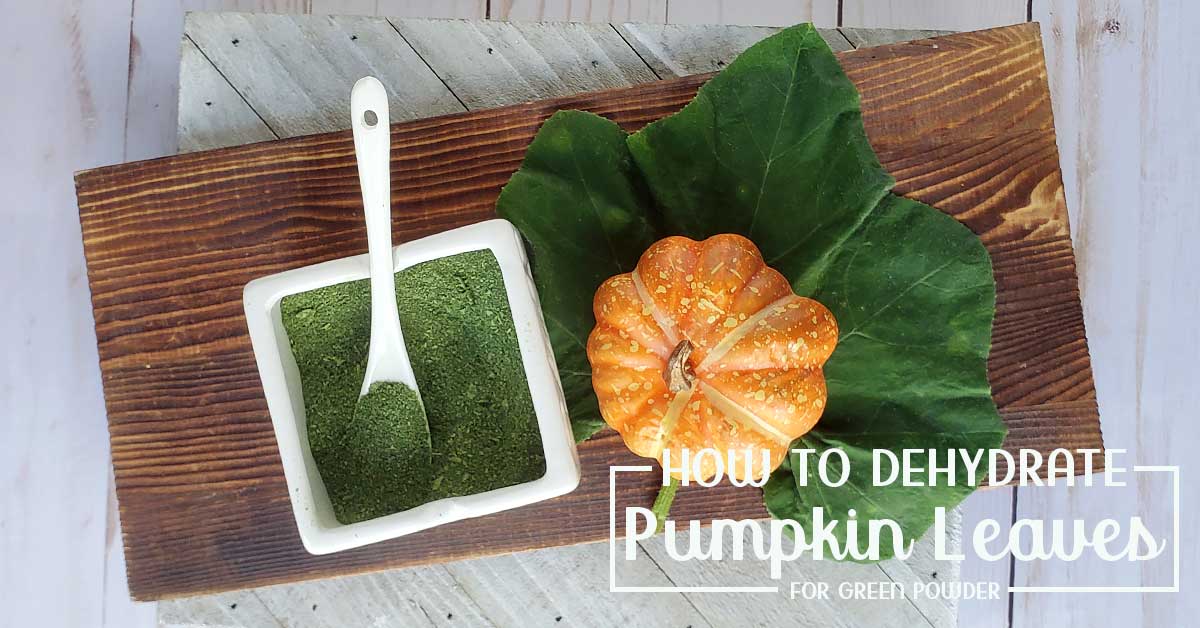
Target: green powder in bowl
x=459, y=331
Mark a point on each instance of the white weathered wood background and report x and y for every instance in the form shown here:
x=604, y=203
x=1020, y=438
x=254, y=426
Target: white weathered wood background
x=93, y=82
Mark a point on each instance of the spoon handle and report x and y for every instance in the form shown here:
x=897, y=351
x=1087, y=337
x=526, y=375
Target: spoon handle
x=372, y=147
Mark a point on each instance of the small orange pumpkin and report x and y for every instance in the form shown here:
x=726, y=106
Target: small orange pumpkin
x=705, y=346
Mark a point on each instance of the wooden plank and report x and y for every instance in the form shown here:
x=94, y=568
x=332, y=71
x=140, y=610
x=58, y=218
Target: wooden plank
x=211, y=112
x=923, y=567
x=756, y=609
x=567, y=587
x=450, y=9
x=993, y=167
x=773, y=13
x=683, y=49
x=995, y=504
x=237, y=608
x=490, y=64
x=383, y=599
x=601, y=11
x=296, y=72
x=154, y=57
x=154, y=62
x=265, y=6
x=953, y=15
x=422, y=596
x=1126, y=79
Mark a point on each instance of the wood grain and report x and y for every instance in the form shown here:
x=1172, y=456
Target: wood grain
x=211, y=110
x=286, y=54
x=171, y=242
x=490, y=63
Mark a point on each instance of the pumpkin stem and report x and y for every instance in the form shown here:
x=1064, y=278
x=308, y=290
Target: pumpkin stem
x=662, y=503
x=679, y=374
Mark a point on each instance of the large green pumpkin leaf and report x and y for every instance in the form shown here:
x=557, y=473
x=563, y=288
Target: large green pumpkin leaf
x=913, y=294
x=773, y=148
x=584, y=214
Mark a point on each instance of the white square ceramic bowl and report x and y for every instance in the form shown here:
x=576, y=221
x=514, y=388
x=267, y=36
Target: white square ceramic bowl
x=319, y=529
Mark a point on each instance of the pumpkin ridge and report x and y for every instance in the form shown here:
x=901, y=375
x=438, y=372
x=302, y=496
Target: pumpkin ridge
x=737, y=412
x=669, y=328
x=739, y=332
x=666, y=428
x=740, y=275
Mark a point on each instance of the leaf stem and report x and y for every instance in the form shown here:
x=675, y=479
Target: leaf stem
x=662, y=504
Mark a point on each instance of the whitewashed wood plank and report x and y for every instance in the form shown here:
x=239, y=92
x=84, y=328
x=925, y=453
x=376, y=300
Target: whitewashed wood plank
x=489, y=64
x=154, y=60
x=603, y=11
x=682, y=49
x=66, y=69
x=754, y=12
x=211, y=113
x=460, y=9
x=155, y=54
x=238, y=609
x=1125, y=78
x=296, y=72
x=421, y=596
x=924, y=567
x=778, y=609
x=567, y=586
x=344, y=7
x=264, y=6
x=995, y=504
x=153, y=79
x=954, y=15
x=867, y=37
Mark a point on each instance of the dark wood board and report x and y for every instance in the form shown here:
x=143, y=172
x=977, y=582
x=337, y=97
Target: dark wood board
x=963, y=122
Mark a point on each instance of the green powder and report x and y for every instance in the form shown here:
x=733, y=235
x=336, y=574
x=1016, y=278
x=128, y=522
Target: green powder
x=460, y=336
x=386, y=438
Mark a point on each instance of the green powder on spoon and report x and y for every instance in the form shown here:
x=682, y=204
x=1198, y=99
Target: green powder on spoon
x=458, y=328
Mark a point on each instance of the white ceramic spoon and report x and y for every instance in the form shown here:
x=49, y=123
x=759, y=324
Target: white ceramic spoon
x=387, y=358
